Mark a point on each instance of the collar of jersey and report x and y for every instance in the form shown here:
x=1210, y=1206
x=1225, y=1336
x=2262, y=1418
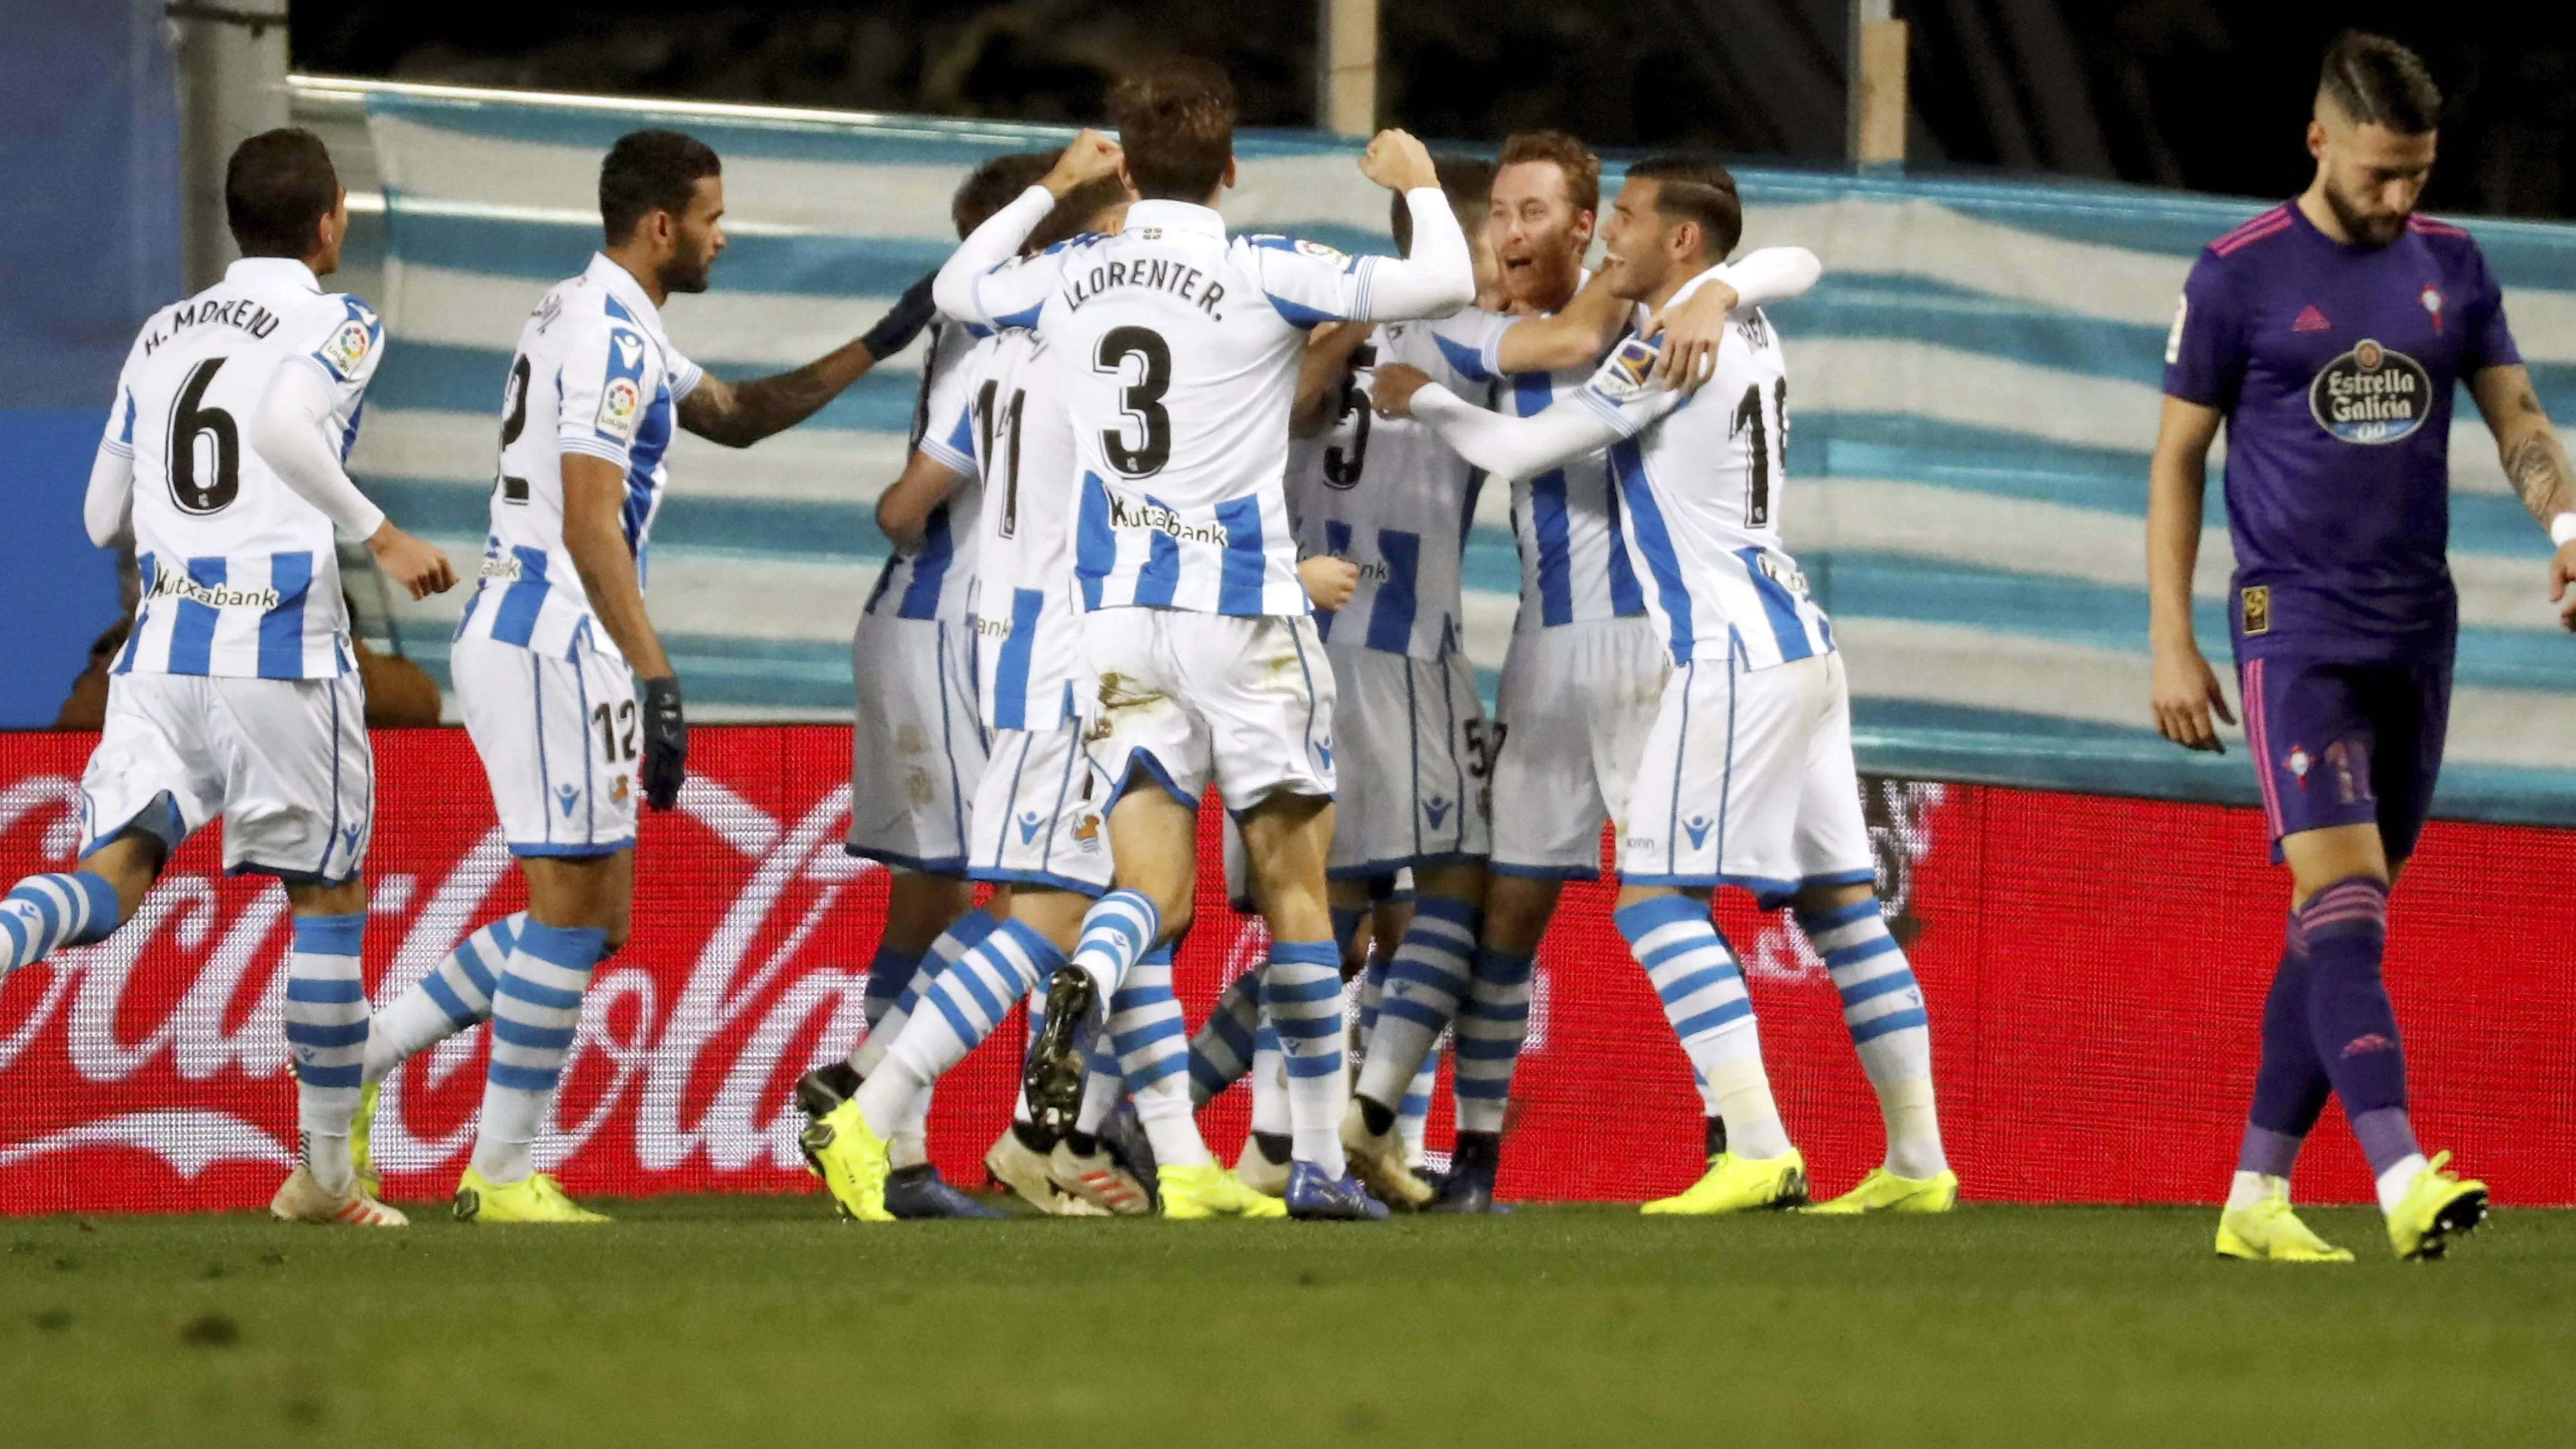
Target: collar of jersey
x=1175, y=216
x=248, y=270
x=622, y=285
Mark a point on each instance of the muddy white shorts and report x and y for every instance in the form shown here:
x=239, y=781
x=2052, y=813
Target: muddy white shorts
x=1409, y=739
x=1037, y=816
x=917, y=751
x=1186, y=700
x=1569, y=721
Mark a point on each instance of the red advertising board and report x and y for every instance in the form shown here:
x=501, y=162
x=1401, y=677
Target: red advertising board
x=2094, y=969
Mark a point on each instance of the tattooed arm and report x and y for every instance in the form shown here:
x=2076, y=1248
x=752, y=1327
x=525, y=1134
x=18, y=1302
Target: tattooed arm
x=2537, y=465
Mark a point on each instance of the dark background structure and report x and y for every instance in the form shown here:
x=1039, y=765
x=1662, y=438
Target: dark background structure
x=2202, y=94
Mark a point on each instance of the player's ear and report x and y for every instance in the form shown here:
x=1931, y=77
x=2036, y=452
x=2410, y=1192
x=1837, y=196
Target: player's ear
x=1229, y=173
x=2317, y=138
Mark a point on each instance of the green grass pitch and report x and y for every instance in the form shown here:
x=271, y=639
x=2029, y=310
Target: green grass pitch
x=762, y=1321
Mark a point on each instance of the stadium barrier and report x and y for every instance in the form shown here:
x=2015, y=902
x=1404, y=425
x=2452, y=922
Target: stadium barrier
x=2094, y=969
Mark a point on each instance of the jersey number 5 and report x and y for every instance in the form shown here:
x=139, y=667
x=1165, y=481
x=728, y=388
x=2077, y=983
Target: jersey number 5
x=205, y=447
x=1141, y=399
x=1748, y=418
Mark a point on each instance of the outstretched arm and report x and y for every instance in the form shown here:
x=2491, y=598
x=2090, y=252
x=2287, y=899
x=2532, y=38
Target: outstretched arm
x=1575, y=336
x=2536, y=462
x=1439, y=275
x=107, y=508
x=290, y=435
x=1693, y=327
x=904, y=509
x=739, y=414
x=959, y=292
x=1505, y=447
x=2186, y=688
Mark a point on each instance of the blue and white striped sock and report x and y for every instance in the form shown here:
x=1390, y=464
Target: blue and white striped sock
x=1704, y=998
x=536, y=1011
x=959, y=1008
x=889, y=972
x=1425, y=985
x=1102, y=1085
x=1491, y=1028
x=1147, y=1031
x=1301, y=988
x=44, y=913
x=326, y=1033
x=1117, y=931
x=964, y=936
x=1269, y=1072
x=1883, y=1010
x=455, y=996
x=1413, y=1114
x=1223, y=1049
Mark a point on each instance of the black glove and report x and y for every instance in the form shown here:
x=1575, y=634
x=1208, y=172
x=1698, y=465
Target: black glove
x=895, y=330
x=666, y=744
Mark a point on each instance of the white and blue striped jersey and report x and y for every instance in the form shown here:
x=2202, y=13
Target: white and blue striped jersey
x=1390, y=496
x=240, y=576
x=1566, y=521
x=934, y=580
x=1701, y=477
x=593, y=375
x=1009, y=429
x=1179, y=347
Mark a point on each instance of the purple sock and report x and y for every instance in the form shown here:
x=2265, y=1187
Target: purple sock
x=2290, y=1086
x=2355, y=1028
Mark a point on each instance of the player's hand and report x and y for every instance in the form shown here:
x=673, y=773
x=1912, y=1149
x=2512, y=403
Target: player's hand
x=2562, y=585
x=902, y=322
x=1691, y=332
x=2186, y=694
x=1090, y=157
x=1393, y=386
x=666, y=744
x=1329, y=580
x=421, y=568
x=1398, y=162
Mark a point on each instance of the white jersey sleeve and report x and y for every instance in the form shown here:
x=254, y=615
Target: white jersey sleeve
x=603, y=390
x=1623, y=391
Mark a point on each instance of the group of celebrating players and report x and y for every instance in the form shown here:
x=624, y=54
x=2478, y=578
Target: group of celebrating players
x=1185, y=512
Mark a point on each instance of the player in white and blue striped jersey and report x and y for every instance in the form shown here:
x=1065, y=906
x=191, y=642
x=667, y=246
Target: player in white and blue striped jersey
x=549, y=654
x=1182, y=347
x=237, y=693
x=1747, y=777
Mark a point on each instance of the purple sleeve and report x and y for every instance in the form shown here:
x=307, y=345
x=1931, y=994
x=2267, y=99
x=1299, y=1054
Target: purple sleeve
x=2205, y=355
x=2492, y=344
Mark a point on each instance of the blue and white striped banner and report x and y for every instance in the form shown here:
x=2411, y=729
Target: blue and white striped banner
x=1974, y=390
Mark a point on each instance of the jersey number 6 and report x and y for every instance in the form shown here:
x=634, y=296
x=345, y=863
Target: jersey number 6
x=1141, y=399
x=203, y=482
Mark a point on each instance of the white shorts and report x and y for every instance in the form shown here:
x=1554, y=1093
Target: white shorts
x=560, y=738
x=1037, y=814
x=1195, y=699
x=917, y=752
x=284, y=762
x=1748, y=781
x=1409, y=738
x=1570, y=723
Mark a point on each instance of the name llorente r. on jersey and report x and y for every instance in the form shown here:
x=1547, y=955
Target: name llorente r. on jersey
x=240, y=576
x=593, y=375
x=1006, y=426
x=1699, y=477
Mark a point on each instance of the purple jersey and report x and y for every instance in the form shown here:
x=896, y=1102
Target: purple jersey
x=2336, y=366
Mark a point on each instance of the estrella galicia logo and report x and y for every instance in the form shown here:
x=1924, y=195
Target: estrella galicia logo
x=2371, y=395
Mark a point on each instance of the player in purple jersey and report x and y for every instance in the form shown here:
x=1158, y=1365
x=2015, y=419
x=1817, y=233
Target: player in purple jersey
x=2329, y=333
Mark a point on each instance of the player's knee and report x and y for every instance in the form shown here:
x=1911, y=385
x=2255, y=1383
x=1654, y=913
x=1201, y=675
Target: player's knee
x=1814, y=898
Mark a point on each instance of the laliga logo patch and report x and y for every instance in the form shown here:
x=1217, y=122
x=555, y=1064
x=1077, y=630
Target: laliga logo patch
x=619, y=404
x=2371, y=395
x=1625, y=378
x=347, y=347
x=1323, y=253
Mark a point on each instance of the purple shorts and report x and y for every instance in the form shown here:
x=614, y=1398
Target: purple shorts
x=2338, y=743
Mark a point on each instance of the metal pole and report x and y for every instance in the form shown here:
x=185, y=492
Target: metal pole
x=1346, y=66
x=231, y=67
x=1875, y=104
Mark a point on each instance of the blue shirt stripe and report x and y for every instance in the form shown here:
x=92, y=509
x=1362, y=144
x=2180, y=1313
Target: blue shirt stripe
x=1240, y=575
x=1531, y=395
x=281, y=630
x=1628, y=466
x=1095, y=548
x=929, y=567
x=192, y=636
x=516, y=622
x=1160, y=578
x=1390, y=626
x=1337, y=542
x=1011, y=665
x=1782, y=609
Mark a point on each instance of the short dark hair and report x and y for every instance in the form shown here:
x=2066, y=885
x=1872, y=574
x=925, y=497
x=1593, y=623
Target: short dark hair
x=1696, y=188
x=650, y=171
x=1073, y=212
x=2378, y=82
x=1582, y=169
x=1468, y=182
x=996, y=184
x=277, y=188
x=1175, y=122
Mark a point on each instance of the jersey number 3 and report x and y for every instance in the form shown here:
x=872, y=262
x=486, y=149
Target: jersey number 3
x=205, y=447
x=1141, y=400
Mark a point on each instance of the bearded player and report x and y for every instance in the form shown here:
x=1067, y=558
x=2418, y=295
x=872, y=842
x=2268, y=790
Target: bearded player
x=2329, y=334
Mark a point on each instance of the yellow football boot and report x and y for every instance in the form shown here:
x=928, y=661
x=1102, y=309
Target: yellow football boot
x=1740, y=1184
x=851, y=1160
x=1885, y=1192
x=361, y=1128
x=2269, y=1232
x=538, y=1199
x=2438, y=1207
x=1209, y=1191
